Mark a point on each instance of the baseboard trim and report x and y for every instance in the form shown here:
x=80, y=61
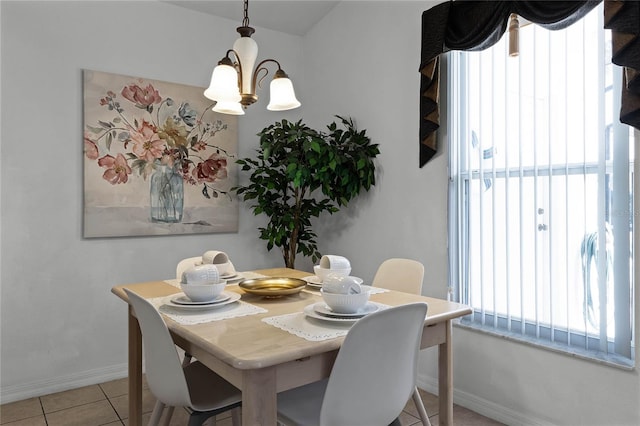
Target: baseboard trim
x=59, y=384
x=482, y=406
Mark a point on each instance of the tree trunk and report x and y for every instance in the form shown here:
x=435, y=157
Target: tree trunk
x=293, y=247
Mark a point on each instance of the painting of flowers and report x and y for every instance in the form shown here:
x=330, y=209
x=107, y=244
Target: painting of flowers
x=157, y=159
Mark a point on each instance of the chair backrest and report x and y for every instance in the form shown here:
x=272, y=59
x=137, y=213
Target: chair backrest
x=185, y=264
x=374, y=373
x=401, y=275
x=163, y=369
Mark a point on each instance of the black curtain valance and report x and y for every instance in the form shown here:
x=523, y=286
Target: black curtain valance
x=477, y=25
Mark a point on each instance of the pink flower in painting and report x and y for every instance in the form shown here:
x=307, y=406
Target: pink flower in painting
x=118, y=170
x=147, y=144
x=143, y=98
x=200, y=146
x=143, y=130
x=90, y=149
x=212, y=169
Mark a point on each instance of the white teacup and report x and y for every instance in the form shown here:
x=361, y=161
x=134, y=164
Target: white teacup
x=226, y=269
x=215, y=257
x=341, y=284
x=332, y=261
x=323, y=272
x=201, y=274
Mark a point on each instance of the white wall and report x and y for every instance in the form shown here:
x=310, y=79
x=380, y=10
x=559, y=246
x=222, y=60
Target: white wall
x=61, y=326
x=362, y=60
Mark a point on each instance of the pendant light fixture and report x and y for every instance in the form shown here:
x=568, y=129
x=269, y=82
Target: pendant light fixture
x=234, y=84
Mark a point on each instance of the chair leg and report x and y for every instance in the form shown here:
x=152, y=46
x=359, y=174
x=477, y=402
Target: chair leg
x=420, y=406
x=186, y=360
x=235, y=416
x=167, y=418
x=156, y=413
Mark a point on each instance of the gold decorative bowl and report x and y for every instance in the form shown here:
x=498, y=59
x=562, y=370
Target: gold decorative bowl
x=272, y=287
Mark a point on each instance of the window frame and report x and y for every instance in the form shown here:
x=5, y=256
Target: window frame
x=458, y=270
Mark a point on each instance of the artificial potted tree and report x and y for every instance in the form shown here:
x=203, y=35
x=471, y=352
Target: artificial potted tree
x=300, y=173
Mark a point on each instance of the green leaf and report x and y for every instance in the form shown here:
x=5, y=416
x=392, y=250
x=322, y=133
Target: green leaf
x=292, y=163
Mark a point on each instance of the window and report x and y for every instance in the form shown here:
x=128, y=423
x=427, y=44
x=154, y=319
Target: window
x=541, y=184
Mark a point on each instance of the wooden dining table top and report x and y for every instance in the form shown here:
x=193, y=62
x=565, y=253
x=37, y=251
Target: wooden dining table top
x=247, y=342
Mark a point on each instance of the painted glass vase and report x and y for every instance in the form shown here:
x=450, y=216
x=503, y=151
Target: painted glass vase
x=167, y=195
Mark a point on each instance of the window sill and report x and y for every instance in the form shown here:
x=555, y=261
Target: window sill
x=609, y=360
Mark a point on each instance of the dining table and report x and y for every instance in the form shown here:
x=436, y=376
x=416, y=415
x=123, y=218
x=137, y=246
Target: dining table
x=258, y=354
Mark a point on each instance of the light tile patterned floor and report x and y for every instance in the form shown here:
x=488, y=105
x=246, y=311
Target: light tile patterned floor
x=106, y=404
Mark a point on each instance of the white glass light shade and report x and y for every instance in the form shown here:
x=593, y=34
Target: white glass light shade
x=247, y=50
x=282, y=95
x=231, y=108
x=224, y=85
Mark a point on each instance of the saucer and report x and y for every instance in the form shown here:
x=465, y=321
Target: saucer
x=313, y=281
x=230, y=298
x=367, y=309
x=184, y=300
x=229, y=276
x=310, y=312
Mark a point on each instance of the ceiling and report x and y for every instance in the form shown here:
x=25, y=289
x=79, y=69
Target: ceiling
x=289, y=16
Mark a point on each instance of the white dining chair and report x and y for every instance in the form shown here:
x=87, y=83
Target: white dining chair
x=398, y=274
x=404, y=275
x=372, y=377
x=194, y=386
x=185, y=264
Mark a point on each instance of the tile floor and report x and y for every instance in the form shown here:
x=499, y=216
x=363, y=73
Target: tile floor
x=106, y=404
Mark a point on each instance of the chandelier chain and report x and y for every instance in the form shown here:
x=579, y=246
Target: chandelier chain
x=245, y=20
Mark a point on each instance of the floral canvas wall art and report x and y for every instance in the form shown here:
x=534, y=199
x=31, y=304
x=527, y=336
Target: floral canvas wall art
x=157, y=159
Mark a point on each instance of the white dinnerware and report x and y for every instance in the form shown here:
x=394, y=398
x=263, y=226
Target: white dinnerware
x=310, y=312
x=233, y=297
x=341, y=284
x=345, y=303
x=323, y=272
x=367, y=309
x=201, y=274
x=182, y=299
x=227, y=275
x=332, y=261
x=313, y=281
x=215, y=257
x=203, y=292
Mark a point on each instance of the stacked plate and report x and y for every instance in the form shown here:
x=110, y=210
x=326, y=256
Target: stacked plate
x=180, y=301
x=232, y=277
x=313, y=281
x=321, y=311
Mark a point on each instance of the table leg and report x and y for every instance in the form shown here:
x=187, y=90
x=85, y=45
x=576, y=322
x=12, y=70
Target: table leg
x=445, y=379
x=135, y=371
x=259, y=401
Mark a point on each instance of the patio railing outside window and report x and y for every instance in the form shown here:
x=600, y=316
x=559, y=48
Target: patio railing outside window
x=541, y=228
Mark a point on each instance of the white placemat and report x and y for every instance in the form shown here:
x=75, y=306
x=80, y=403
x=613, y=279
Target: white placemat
x=311, y=329
x=232, y=310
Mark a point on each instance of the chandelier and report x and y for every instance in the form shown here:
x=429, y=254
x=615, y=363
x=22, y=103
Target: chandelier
x=234, y=83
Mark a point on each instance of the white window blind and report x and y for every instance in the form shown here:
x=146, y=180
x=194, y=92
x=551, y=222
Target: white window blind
x=541, y=191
